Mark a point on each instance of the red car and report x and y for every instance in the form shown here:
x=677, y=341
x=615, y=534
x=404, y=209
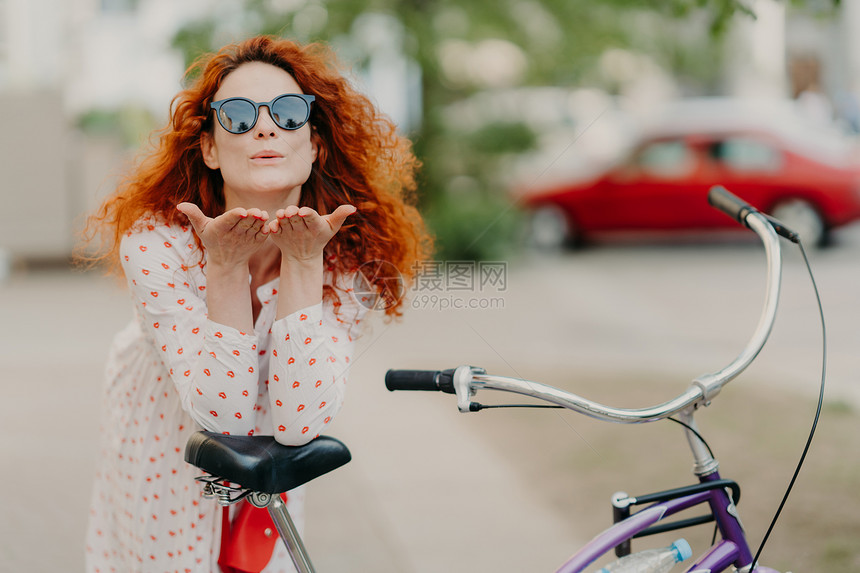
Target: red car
x=776, y=162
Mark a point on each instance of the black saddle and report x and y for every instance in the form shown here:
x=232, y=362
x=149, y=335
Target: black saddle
x=260, y=463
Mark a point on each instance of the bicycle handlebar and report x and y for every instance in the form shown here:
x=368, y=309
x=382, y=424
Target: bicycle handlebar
x=738, y=209
x=730, y=204
x=465, y=381
x=420, y=380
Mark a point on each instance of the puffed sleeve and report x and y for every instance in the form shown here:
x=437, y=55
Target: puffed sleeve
x=309, y=363
x=213, y=367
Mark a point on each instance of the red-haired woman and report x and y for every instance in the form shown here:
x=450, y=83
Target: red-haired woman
x=240, y=236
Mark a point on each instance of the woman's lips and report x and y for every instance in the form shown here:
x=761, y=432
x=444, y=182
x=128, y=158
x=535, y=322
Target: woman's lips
x=267, y=154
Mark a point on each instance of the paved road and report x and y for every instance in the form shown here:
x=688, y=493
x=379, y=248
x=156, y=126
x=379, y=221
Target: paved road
x=403, y=504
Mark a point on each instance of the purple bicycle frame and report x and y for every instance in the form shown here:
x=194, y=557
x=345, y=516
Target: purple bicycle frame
x=731, y=549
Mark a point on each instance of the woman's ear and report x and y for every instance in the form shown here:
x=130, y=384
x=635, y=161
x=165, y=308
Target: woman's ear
x=317, y=150
x=210, y=152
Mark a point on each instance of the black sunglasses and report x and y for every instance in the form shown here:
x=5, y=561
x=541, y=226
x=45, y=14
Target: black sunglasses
x=239, y=115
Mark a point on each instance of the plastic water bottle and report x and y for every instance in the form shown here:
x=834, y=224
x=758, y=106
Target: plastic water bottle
x=651, y=560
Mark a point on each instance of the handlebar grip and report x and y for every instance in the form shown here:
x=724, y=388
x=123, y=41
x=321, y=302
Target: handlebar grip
x=432, y=380
x=730, y=204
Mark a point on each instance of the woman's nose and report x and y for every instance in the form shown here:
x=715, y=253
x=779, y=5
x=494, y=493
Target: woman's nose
x=265, y=126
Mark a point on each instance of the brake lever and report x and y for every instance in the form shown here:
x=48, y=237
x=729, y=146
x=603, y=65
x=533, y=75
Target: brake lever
x=463, y=386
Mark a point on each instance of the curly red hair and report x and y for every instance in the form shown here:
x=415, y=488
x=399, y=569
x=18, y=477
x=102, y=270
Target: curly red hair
x=361, y=160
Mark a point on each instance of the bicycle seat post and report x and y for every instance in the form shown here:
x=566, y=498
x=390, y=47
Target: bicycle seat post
x=286, y=529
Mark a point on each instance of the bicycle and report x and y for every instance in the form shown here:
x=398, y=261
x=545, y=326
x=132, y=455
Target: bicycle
x=721, y=496
x=261, y=469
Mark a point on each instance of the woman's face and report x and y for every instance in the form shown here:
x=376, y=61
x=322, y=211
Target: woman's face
x=266, y=166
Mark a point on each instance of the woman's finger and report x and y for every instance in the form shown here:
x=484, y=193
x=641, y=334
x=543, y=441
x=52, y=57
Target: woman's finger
x=234, y=217
x=258, y=214
x=259, y=225
x=337, y=218
x=195, y=216
x=246, y=221
x=288, y=212
x=308, y=216
x=262, y=225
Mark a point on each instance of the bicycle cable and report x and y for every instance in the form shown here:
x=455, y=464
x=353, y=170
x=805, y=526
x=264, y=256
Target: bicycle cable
x=695, y=432
x=477, y=407
x=817, y=411
x=710, y=453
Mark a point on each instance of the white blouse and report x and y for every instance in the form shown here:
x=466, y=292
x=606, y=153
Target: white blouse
x=172, y=372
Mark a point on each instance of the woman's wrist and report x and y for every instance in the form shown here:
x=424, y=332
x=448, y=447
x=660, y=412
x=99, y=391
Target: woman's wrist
x=229, y=296
x=227, y=271
x=301, y=284
x=310, y=261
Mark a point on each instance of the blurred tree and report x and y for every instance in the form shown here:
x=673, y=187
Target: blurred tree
x=461, y=48
x=129, y=124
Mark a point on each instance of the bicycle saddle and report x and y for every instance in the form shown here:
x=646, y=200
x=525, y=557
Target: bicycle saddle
x=260, y=463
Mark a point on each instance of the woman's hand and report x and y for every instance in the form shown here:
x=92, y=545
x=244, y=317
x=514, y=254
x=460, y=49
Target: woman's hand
x=301, y=233
x=230, y=238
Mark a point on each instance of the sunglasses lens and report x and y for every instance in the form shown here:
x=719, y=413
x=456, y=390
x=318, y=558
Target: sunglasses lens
x=237, y=116
x=290, y=112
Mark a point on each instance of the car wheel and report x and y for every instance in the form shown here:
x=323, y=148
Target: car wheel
x=549, y=229
x=804, y=219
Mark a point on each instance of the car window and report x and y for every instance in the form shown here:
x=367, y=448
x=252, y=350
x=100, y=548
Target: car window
x=667, y=159
x=746, y=154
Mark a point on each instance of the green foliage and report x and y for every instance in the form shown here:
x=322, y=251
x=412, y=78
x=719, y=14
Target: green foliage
x=473, y=226
x=195, y=39
x=838, y=408
x=498, y=138
x=720, y=12
x=130, y=124
x=840, y=555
